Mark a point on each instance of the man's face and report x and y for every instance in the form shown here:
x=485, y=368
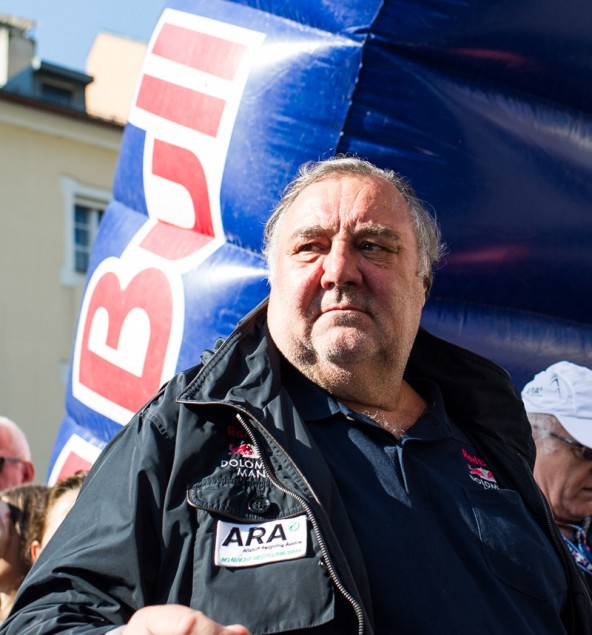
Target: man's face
x=344, y=283
x=13, y=472
x=566, y=480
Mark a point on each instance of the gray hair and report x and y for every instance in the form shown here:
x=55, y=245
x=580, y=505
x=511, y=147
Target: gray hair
x=20, y=445
x=427, y=232
x=542, y=425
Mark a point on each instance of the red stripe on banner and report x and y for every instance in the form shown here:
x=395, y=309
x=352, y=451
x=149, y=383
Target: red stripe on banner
x=173, y=242
x=181, y=105
x=73, y=464
x=207, y=53
x=181, y=166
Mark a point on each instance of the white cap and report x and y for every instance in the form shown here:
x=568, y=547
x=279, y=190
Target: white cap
x=564, y=390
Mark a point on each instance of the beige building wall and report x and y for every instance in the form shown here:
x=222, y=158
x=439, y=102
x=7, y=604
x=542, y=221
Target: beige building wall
x=115, y=63
x=39, y=152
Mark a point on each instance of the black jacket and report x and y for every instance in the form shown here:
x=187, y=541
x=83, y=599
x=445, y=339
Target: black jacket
x=144, y=527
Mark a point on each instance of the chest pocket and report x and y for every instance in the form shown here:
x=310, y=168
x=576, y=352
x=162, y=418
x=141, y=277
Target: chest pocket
x=514, y=547
x=248, y=567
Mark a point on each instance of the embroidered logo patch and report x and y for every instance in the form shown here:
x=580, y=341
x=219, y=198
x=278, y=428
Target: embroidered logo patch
x=243, y=457
x=244, y=449
x=479, y=472
x=247, y=545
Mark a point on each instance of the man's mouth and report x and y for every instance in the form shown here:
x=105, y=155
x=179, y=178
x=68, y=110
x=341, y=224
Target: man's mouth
x=342, y=307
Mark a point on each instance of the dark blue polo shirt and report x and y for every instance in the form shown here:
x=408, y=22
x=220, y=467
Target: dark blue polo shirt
x=446, y=550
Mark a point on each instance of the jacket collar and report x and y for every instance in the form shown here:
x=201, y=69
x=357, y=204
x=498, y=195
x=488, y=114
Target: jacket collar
x=478, y=394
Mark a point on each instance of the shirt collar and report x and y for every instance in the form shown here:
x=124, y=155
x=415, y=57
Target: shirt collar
x=315, y=404
x=312, y=402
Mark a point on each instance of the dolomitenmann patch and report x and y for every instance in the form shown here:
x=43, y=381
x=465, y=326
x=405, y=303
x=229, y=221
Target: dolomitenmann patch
x=247, y=545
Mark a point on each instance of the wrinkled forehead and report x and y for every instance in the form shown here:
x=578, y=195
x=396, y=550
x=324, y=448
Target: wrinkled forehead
x=349, y=201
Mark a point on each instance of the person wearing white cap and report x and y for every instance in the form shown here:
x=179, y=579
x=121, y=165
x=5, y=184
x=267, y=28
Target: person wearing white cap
x=558, y=402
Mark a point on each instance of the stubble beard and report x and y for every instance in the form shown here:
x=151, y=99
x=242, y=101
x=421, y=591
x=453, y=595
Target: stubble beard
x=348, y=359
x=341, y=364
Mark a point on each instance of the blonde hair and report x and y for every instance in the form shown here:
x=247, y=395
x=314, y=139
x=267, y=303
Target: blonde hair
x=23, y=502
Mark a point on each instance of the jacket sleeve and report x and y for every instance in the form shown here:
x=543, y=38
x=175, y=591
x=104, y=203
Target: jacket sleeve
x=103, y=562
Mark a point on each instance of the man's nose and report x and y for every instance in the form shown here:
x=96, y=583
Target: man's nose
x=341, y=267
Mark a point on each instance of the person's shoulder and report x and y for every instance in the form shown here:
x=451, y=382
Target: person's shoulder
x=162, y=409
x=175, y=386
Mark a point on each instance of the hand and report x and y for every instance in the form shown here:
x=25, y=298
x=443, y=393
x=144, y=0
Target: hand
x=175, y=619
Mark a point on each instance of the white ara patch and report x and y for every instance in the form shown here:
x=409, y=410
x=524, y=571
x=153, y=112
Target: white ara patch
x=248, y=544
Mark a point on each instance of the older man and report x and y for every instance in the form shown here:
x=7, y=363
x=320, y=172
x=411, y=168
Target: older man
x=330, y=469
x=16, y=467
x=559, y=405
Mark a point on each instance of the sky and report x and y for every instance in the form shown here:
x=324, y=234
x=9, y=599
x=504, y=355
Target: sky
x=66, y=29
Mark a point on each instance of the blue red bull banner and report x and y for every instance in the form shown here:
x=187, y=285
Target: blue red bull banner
x=234, y=96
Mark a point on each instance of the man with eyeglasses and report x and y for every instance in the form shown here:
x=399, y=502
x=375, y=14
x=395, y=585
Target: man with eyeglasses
x=16, y=467
x=558, y=402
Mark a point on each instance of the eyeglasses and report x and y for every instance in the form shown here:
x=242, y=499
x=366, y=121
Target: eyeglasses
x=581, y=451
x=3, y=460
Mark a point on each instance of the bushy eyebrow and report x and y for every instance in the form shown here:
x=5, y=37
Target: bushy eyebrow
x=368, y=230
x=379, y=231
x=308, y=232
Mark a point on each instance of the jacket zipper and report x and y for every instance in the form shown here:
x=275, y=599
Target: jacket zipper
x=302, y=501
x=559, y=548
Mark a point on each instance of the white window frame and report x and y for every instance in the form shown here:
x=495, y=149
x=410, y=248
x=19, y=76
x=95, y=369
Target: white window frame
x=76, y=193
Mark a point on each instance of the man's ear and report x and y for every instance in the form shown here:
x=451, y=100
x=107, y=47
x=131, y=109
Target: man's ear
x=28, y=472
x=35, y=550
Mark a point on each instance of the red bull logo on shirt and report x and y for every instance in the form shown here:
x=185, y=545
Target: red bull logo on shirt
x=244, y=449
x=245, y=460
x=482, y=473
x=479, y=472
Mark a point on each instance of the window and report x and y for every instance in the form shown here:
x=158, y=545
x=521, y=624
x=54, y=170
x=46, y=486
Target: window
x=86, y=224
x=84, y=207
x=57, y=94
